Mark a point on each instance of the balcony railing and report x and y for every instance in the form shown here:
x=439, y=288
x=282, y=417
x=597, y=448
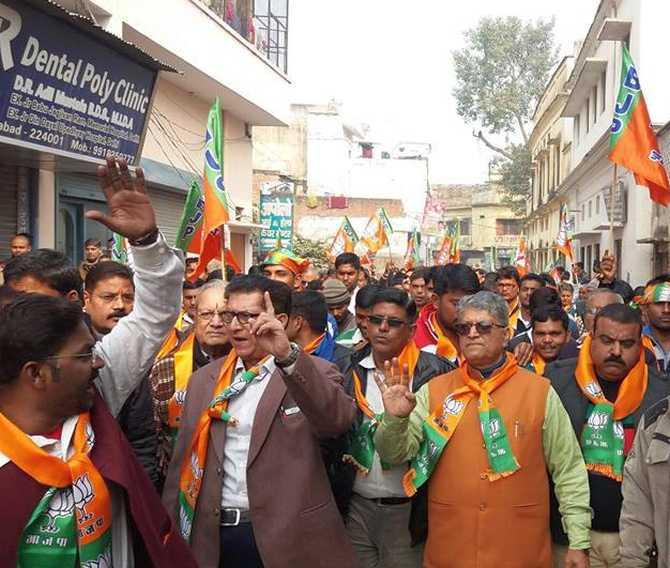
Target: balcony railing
x=263, y=23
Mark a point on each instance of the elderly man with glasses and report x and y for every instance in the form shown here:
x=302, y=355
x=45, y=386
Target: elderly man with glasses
x=386, y=527
x=486, y=439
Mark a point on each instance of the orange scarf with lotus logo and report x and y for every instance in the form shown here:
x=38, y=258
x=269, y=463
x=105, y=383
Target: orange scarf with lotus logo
x=72, y=522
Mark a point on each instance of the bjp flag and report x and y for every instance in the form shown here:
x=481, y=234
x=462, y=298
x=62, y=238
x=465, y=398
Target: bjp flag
x=633, y=143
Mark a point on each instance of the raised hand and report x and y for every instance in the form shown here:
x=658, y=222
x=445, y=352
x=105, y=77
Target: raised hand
x=523, y=353
x=270, y=333
x=398, y=399
x=608, y=267
x=130, y=211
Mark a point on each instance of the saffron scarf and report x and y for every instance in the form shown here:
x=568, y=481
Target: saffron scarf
x=71, y=525
x=602, y=438
x=193, y=467
x=183, y=369
x=538, y=363
x=439, y=427
x=361, y=443
x=514, y=313
x=445, y=347
x=172, y=339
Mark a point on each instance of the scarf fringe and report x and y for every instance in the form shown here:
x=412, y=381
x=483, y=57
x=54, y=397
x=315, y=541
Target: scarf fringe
x=408, y=483
x=348, y=458
x=604, y=469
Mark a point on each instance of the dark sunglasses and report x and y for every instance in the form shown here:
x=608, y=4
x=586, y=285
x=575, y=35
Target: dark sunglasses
x=392, y=322
x=482, y=327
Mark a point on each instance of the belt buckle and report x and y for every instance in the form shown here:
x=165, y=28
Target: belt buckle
x=236, y=522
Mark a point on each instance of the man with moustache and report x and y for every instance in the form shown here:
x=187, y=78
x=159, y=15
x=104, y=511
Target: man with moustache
x=508, y=288
x=247, y=482
x=528, y=284
x=417, y=288
x=550, y=325
x=357, y=338
x=655, y=306
x=488, y=485
x=92, y=256
x=605, y=391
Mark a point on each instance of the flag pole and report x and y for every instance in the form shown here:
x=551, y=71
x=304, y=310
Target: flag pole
x=223, y=254
x=614, y=182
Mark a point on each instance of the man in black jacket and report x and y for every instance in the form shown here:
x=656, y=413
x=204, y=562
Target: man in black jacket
x=382, y=522
x=109, y=295
x=605, y=392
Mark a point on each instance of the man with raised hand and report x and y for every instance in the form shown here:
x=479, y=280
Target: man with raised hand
x=488, y=485
x=386, y=527
x=247, y=481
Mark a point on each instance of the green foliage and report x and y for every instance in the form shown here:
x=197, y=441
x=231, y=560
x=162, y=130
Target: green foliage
x=501, y=74
x=514, y=176
x=315, y=251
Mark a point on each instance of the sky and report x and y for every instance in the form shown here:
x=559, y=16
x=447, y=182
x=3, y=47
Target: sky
x=388, y=62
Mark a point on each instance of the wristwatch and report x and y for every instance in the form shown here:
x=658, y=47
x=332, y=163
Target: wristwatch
x=146, y=240
x=291, y=359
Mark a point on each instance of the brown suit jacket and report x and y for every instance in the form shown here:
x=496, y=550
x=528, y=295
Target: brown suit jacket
x=296, y=522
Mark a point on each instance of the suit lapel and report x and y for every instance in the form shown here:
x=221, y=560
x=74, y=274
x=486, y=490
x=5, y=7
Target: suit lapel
x=217, y=429
x=265, y=414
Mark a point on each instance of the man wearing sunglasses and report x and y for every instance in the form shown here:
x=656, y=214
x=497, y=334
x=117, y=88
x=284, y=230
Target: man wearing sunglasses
x=386, y=527
x=485, y=439
x=606, y=391
x=247, y=481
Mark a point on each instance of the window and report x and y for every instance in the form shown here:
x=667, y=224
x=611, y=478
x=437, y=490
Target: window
x=557, y=165
x=465, y=226
x=582, y=253
x=596, y=252
x=271, y=22
x=583, y=209
x=597, y=204
x=588, y=114
x=603, y=91
x=594, y=102
x=509, y=226
x=590, y=208
x=576, y=129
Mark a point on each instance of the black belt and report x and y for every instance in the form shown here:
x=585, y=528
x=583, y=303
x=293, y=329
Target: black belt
x=231, y=517
x=390, y=500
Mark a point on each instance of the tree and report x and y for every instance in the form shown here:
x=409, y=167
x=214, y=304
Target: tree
x=315, y=251
x=501, y=74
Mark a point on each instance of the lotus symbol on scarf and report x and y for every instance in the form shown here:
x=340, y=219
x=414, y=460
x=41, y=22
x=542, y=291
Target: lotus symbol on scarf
x=90, y=437
x=83, y=494
x=102, y=561
x=60, y=505
x=452, y=406
x=594, y=389
x=180, y=397
x=598, y=420
x=618, y=429
x=185, y=523
x=494, y=427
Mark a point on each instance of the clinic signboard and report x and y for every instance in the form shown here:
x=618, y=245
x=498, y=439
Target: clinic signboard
x=64, y=92
x=276, y=214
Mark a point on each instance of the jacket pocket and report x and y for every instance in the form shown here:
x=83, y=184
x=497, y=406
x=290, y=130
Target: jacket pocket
x=659, y=450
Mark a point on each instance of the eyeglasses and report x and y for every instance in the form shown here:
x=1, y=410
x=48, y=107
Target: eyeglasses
x=392, y=322
x=208, y=315
x=482, y=327
x=242, y=317
x=91, y=356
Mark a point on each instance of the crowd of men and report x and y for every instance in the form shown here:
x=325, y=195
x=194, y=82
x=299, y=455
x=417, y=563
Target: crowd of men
x=439, y=417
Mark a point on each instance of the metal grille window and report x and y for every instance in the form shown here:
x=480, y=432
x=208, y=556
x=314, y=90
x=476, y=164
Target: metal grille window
x=271, y=19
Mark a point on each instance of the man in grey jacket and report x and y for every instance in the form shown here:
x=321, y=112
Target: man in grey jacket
x=645, y=515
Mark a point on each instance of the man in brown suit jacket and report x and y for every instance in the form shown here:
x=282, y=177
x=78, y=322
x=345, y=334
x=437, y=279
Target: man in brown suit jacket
x=264, y=498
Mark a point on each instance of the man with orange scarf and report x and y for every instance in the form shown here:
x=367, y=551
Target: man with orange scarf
x=450, y=283
x=246, y=482
x=485, y=439
x=379, y=513
x=606, y=390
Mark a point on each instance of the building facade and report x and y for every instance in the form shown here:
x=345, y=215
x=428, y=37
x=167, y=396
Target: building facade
x=550, y=144
x=253, y=89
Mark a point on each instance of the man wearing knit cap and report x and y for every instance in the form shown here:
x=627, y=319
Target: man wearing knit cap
x=285, y=266
x=337, y=297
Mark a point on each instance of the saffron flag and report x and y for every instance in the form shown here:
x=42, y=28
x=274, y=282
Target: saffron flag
x=443, y=254
x=455, y=249
x=190, y=227
x=345, y=240
x=633, y=143
x=377, y=231
x=521, y=260
x=564, y=237
x=412, y=258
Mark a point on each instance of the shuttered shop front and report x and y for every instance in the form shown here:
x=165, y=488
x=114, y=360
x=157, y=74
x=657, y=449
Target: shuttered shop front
x=8, y=180
x=168, y=206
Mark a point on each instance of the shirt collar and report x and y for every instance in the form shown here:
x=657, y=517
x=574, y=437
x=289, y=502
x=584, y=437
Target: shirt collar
x=268, y=367
x=368, y=362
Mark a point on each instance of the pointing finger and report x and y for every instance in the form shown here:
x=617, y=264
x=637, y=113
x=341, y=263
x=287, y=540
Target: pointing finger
x=269, y=308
